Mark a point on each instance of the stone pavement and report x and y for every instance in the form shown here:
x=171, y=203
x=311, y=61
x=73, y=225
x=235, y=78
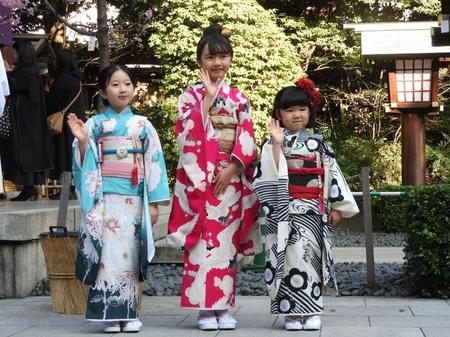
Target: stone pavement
x=358, y=254
x=343, y=317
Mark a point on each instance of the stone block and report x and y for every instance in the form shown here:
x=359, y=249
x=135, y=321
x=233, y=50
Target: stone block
x=22, y=262
x=166, y=254
x=22, y=265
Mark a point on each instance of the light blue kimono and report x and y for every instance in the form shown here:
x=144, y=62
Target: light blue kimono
x=115, y=217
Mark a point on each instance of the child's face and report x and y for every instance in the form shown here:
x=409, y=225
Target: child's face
x=216, y=65
x=294, y=118
x=119, y=91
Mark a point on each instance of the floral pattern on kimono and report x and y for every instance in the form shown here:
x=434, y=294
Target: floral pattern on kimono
x=213, y=231
x=298, y=237
x=115, y=217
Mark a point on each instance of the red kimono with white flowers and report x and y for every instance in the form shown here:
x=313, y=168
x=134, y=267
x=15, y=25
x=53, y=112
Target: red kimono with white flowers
x=214, y=232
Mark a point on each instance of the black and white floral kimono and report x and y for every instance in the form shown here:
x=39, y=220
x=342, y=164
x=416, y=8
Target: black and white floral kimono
x=297, y=199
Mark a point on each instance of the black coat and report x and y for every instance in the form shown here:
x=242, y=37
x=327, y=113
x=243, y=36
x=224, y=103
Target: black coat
x=30, y=136
x=62, y=91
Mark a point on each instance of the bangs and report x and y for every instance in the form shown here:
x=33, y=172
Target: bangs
x=219, y=46
x=293, y=96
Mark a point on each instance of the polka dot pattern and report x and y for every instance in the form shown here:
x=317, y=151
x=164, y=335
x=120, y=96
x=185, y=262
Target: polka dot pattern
x=5, y=123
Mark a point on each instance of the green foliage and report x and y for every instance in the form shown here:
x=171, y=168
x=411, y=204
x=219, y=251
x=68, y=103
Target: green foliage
x=387, y=165
x=344, y=11
x=359, y=111
x=264, y=60
x=438, y=164
x=321, y=44
x=425, y=7
x=165, y=129
x=383, y=158
x=427, y=250
x=352, y=154
x=390, y=211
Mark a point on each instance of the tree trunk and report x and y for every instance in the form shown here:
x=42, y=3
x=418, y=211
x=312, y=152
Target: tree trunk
x=102, y=34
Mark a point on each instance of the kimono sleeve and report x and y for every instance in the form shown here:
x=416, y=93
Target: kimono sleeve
x=88, y=185
x=340, y=196
x=155, y=168
x=271, y=184
x=87, y=175
x=189, y=109
x=245, y=147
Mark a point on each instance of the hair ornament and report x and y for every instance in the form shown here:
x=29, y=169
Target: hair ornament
x=226, y=32
x=310, y=88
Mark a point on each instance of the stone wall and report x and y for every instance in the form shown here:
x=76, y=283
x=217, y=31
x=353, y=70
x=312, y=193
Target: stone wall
x=22, y=262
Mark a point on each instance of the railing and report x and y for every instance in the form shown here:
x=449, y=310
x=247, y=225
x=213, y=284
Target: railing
x=380, y=194
x=367, y=218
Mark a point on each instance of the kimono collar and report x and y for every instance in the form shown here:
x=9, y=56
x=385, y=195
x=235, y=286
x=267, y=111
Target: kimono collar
x=110, y=113
x=224, y=85
x=302, y=134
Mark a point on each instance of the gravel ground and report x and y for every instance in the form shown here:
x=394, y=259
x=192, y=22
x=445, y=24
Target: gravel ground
x=165, y=280
x=346, y=238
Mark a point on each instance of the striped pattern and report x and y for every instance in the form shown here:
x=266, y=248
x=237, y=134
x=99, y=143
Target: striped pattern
x=300, y=290
x=298, y=238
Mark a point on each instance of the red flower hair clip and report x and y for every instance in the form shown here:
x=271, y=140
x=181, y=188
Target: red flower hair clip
x=310, y=88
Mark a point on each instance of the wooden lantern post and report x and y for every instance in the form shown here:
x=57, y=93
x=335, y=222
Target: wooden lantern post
x=413, y=75
x=413, y=89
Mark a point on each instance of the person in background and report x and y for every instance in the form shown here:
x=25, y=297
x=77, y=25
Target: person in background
x=63, y=90
x=4, y=93
x=30, y=144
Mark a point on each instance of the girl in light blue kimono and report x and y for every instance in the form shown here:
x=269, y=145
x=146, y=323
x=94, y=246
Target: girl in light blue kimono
x=120, y=177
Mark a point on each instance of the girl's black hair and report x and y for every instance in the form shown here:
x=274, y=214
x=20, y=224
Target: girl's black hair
x=27, y=56
x=217, y=39
x=291, y=96
x=105, y=76
x=66, y=62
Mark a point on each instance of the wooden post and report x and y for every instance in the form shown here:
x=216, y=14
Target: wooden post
x=64, y=198
x=413, y=148
x=367, y=212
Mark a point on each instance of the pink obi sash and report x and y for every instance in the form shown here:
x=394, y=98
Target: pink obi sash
x=122, y=157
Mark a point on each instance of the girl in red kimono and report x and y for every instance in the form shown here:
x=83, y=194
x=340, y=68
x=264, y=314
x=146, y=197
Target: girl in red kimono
x=214, y=207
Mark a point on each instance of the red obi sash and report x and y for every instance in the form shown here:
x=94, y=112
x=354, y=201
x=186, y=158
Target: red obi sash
x=305, y=192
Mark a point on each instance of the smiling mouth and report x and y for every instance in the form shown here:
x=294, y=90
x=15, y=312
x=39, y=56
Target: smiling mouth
x=123, y=97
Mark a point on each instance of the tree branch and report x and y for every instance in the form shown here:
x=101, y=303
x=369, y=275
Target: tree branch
x=68, y=24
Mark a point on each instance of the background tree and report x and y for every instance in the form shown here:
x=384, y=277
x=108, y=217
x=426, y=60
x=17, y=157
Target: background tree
x=264, y=58
x=353, y=117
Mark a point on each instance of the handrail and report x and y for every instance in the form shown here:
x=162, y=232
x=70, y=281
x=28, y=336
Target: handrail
x=380, y=194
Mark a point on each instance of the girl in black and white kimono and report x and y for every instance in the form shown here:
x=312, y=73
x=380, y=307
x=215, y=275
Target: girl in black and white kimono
x=302, y=192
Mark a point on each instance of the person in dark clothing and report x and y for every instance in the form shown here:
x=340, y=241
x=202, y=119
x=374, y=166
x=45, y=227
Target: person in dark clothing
x=30, y=156
x=63, y=90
